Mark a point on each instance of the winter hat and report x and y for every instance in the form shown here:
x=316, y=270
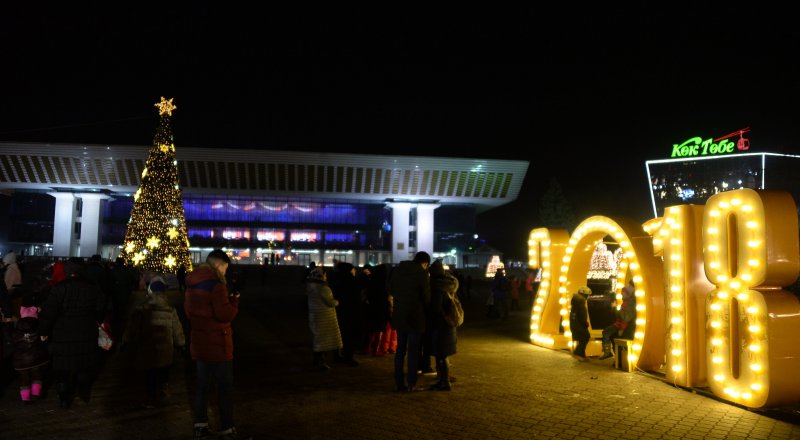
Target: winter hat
x=57, y=275
x=317, y=274
x=29, y=312
x=422, y=257
x=157, y=285
x=72, y=267
x=627, y=291
x=437, y=268
x=10, y=258
x=219, y=254
x=583, y=290
x=344, y=267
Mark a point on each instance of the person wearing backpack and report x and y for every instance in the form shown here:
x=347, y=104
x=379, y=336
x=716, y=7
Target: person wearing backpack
x=154, y=331
x=443, y=333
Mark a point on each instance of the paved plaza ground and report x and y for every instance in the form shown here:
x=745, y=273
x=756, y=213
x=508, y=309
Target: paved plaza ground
x=506, y=388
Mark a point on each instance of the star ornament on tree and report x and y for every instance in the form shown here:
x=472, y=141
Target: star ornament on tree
x=137, y=258
x=169, y=261
x=165, y=106
x=130, y=247
x=172, y=233
x=153, y=242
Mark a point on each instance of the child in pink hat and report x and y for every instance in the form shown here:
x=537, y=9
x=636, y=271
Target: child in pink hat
x=30, y=353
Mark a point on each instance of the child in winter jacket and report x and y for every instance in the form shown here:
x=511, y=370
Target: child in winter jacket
x=30, y=353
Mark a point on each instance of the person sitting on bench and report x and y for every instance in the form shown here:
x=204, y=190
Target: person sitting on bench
x=624, y=316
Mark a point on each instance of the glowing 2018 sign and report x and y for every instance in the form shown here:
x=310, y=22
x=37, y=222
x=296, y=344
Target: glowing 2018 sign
x=708, y=281
x=696, y=146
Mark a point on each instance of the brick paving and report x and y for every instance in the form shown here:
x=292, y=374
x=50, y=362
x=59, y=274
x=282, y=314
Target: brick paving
x=506, y=388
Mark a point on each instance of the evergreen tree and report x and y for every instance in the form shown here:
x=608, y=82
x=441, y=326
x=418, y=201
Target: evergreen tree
x=554, y=209
x=156, y=238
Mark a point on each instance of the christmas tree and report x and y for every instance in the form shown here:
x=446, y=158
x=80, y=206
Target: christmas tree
x=156, y=238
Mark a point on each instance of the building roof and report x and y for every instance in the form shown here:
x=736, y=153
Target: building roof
x=483, y=183
x=694, y=180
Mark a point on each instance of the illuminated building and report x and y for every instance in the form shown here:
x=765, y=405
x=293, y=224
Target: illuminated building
x=693, y=180
x=287, y=206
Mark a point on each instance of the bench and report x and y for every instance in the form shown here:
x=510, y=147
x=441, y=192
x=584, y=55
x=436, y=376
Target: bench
x=621, y=349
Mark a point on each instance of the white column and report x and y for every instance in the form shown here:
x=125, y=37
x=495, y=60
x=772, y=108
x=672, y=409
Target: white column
x=400, y=213
x=425, y=227
x=91, y=219
x=63, y=224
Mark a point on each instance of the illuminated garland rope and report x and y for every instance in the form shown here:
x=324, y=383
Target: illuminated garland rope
x=575, y=263
x=156, y=238
x=544, y=247
x=749, y=248
x=677, y=238
x=735, y=238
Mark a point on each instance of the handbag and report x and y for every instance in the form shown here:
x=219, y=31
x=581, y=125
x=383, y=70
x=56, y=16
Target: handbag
x=104, y=340
x=454, y=313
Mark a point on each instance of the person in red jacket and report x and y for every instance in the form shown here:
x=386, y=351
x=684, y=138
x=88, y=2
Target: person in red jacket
x=210, y=308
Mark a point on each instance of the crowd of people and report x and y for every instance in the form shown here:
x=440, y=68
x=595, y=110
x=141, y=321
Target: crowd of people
x=51, y=328
x=379, y=310
x=371, y=310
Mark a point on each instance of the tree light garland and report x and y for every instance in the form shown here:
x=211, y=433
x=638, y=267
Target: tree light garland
x=157, y=237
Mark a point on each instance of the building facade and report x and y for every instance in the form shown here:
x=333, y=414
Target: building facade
x=278, y=207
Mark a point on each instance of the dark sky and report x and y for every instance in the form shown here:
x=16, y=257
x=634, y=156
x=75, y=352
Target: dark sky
x=536, y=84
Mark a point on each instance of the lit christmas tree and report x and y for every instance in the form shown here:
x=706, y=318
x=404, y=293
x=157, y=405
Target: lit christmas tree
x=156, y=238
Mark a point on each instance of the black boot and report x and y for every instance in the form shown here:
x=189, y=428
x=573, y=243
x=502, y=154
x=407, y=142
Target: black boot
x=319, y=362
x=606, y=352
x=64, y=395
x=443, y=384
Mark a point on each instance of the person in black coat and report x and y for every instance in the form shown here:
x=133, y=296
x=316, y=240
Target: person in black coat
x=378, y=307
x=410, y=286
x=69, y=319
x=349, y=313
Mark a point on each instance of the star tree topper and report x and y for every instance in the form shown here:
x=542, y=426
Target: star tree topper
x=165, y=106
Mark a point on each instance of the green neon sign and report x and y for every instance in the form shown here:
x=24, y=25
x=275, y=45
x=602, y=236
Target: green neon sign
x=696, y=146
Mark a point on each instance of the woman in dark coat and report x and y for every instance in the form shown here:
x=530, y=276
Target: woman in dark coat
x=379, y=310
x=69, y=319
x=443, y=335
x=349, y=312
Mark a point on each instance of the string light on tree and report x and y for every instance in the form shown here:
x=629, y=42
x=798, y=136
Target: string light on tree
x=157, y=238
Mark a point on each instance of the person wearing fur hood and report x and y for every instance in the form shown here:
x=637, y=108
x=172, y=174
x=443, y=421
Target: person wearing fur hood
x=325, y=335
x=579, y=323
x=443, y=335
x=13, y=276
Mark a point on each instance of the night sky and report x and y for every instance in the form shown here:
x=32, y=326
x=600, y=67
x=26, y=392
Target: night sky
x=535, y=84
